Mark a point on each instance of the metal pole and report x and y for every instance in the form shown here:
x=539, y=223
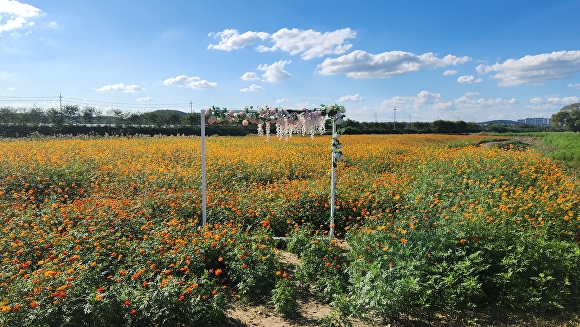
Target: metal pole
x=203, y=182
x=394, y=117
x=332, y=185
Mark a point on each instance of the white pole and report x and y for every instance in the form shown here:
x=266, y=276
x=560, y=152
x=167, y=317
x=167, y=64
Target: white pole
x=332, y=184
x=203, y=189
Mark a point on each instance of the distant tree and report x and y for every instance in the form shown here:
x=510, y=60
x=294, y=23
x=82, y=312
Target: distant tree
x=134, y=119
x=7, y=115
x=119, y=116
x=89, y=114
x=55, y=116
x=192, y=119
x=35, y=116
x=174, y=119
x=568, y=118
x=70, y=111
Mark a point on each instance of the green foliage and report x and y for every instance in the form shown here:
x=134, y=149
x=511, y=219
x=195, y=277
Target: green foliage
x=323, y=264
x=568, y=118
x=284, y=297
x=567, y=147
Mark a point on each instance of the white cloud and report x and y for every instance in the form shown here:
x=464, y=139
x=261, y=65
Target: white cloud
x=430, y=104
x=121, y=88
x=18, y=15
x=351, y=98
x=252, y=88
x=282, y=100
x=310, y=43
x=468, y=79
x=466, y=102
x=533, y=70
x=53, y=24
x=555, y=100
x=397, y=102
x=193, y=82
x=426, y=97
x=465, y=79
x=11, y=89
x=575, y=86
x=450, y=72
x=250, y=76
x=145, y=99
x=231, y=39
x=360, y=64
x=275, y=72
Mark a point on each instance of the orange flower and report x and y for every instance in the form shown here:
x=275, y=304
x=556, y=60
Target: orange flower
x=218, y=272
x=403, y=240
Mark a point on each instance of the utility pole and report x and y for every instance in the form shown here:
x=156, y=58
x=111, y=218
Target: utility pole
x=409, y=119
x=394, y=118
x=191, y=107
x=60, y=99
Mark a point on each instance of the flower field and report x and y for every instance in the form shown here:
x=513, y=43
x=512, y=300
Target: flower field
x=103, y=231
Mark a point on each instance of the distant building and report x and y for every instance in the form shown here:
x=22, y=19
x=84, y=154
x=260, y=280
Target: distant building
x=535, y=121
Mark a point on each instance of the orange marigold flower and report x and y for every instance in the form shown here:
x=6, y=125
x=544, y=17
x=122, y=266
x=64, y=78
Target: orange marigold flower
x=134, y=311
x=34, y=304
x=218, y=272
x=403, y=240
x=127, y=302
x=98, y=297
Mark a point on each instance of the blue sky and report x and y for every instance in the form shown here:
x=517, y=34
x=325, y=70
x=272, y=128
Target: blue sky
x=453, y=60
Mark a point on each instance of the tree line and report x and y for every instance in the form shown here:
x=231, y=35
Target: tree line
x=76, y=120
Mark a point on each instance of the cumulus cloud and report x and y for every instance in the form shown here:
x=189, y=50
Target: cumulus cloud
x=11, y=89
x=121, y=88
x=555, y=100
x=449, y=72
x=465, y=79
x=351, y=98
x=468, y=79
x=17, y=15
x=252, y=88
x=575, y=86
x=232, y=40
x=425, y=102
x=533, y=70
x=426, y=97
x=360, y=64
x=282, y=100
x=310, y=44
x=466, y=102
x=250, y=76
x=194, y=82
x=145, y=99
x=275, y=72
